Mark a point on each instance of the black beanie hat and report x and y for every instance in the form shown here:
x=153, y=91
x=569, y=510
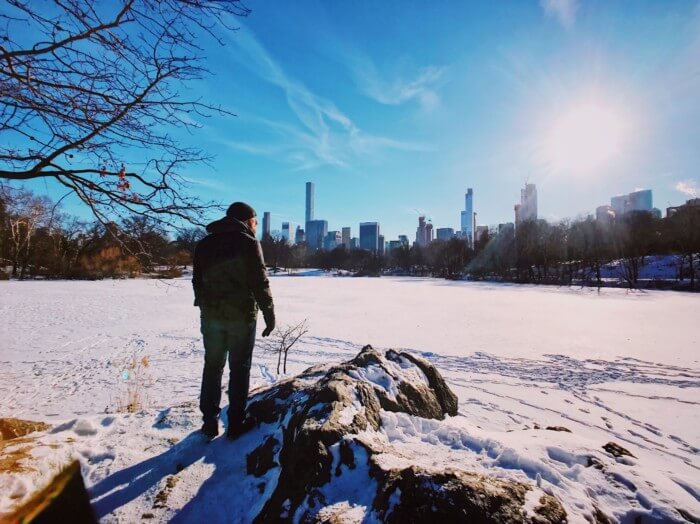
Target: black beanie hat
x=240, y=211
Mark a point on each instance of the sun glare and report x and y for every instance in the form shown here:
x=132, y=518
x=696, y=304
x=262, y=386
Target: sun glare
x=585, y=139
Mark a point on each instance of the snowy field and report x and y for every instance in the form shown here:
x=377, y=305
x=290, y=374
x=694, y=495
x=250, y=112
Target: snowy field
x=610, y=366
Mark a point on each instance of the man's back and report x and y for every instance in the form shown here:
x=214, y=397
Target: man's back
x=229, y=272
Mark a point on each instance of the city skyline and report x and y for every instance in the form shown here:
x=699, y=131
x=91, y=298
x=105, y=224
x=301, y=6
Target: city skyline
x=584, y=99
x=526, y=209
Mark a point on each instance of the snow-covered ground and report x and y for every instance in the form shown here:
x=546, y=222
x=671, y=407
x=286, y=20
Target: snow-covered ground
x=609, y=365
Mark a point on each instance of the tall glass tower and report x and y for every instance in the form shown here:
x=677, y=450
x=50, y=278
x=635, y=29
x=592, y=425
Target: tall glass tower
x=467, y=222
x=309, y=201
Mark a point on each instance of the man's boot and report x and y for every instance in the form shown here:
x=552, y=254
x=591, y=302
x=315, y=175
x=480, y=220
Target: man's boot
x=210, y=428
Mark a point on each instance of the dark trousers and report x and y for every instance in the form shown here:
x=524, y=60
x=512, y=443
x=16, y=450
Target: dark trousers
x=235, y=338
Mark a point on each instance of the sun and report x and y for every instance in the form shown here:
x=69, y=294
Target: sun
x=585, y=138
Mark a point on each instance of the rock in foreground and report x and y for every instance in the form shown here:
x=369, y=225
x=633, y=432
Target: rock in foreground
x=325, y=458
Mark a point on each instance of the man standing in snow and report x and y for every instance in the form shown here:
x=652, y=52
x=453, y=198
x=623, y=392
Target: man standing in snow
x=230, y=284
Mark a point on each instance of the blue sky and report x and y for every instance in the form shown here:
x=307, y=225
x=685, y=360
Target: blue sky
x=395, y=108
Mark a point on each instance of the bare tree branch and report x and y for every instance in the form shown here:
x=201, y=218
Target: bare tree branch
x=94, y=95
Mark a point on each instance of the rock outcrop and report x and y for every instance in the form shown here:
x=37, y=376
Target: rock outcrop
x=12, y=428
x=323, y=456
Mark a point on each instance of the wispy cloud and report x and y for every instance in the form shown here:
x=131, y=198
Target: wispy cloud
x=422, y=87
x=322, y=134
x=689, y=187
x=204, y=182
x=563, y=10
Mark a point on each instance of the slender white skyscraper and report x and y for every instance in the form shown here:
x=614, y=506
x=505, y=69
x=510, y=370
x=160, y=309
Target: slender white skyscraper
x=467, y=216
x=309, y=201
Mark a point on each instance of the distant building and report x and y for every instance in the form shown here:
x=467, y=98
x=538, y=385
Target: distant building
x=527, y=209
x=605, y=214
x=369, y=236
x=310, y=190
x=506, y=229
x=380, y=246
x=504, y=226
x=394, y=244
x=346, y=237
x=316, y=231
x=636, y=201
x=404, y=240
x=266, y=224
x=481, y=233
x=467, y=217
x=693, y=202
x=639, y=201
x=445, y=233
x=287, y=228
x=354, y=243
x=424, y=232
x=299, y=236
x=332, y=240
x=617, y=203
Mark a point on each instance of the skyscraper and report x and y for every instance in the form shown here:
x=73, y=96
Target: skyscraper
x=287, y=234
x=635, y=201
x=310, y=189
x=420, y=232
x=445, y=233
x=467, y=217
x=331, y=240
x=266, y=224
x=346, y=237
x=618, y=204
x=428, y=233
x=640, y=201
x=299, y=236
x=369, y=236
x=316, y=231
x=527, y=209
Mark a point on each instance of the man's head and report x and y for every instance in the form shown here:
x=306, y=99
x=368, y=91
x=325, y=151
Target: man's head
x=246, y=214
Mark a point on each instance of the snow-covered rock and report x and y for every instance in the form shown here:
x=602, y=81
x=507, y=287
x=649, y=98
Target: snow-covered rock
x=321, y=442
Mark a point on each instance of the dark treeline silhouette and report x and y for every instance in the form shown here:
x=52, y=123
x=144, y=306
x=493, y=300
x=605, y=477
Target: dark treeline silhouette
x=38, y=240
x=446, y=259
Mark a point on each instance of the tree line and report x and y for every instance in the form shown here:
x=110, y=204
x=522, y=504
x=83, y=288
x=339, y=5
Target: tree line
x=37, y=239
x=566, y=252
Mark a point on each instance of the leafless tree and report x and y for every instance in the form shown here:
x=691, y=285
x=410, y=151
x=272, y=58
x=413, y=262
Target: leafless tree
x=25, y=214
x=91, y=91
x=282, y=339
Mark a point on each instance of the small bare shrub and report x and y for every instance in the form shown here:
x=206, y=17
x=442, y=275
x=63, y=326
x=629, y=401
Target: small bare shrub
x=282, y=339
x=135, y=378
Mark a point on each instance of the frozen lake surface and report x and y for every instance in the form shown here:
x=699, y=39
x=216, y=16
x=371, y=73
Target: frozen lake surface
x=612, y=365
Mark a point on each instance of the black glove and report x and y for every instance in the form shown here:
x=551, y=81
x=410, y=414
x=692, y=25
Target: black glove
x=269, y=323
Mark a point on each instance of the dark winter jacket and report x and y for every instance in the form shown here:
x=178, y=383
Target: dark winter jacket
x=229, y=277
